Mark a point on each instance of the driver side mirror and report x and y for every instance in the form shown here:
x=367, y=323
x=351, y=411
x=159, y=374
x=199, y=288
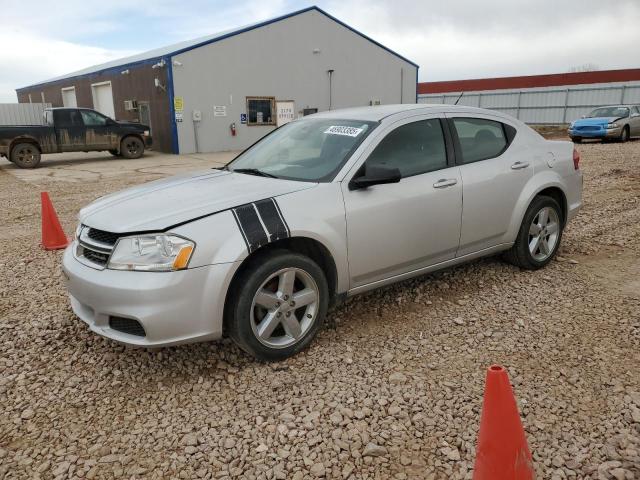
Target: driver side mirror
x=583, y=116
x=375, y=175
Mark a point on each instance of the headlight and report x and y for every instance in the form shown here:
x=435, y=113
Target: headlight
x=76, y=234
x=151, y=253
x=612, y=125
x=146, y=133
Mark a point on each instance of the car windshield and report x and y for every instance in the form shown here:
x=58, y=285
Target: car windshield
x=617, y=112
x=310, y=150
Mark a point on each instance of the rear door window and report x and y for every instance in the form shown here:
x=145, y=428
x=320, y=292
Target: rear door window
x=481, y=139
x=414, y=148
x=67, y=118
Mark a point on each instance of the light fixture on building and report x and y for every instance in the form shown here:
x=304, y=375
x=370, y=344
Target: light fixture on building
x=316, y=51
x=125, y=72
x=176, y=63
x=156, y=82
x=162, y=63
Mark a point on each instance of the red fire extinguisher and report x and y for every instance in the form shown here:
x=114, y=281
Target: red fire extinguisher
x=233, y=129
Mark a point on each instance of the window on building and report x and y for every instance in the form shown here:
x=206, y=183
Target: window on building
x=261, y=110
x=414, y=148
x=93, y=119
x=480, y=139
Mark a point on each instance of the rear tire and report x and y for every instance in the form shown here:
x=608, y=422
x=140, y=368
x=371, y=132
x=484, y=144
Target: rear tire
x=277, y=305
x=131, y=147
x=539, y=235
x=25, y=155
x=624, y=135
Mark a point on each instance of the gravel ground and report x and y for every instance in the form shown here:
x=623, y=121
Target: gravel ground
x=392, y=388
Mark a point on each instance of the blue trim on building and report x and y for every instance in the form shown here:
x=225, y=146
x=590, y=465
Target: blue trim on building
x=217, y=39
x=175, y=146
x=417, y=68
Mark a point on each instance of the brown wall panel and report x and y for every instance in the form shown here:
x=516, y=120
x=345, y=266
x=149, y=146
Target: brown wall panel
x=138, y=85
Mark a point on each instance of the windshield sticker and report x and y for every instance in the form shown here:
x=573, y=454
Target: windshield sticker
x=341, y=130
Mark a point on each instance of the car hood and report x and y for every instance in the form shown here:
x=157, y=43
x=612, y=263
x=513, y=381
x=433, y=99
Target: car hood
x=164, y=203
x=594, y=121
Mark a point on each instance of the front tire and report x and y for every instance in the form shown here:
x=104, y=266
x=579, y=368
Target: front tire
x=277, y=305
x=576, y=139
x=624, y=136
x=131, y=147
x=25, y=155
x=539, y=235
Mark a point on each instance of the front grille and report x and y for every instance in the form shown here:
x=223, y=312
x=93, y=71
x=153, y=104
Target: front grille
x=95, y=257
x=102, y=236
x=589, y=128
x=127, y=325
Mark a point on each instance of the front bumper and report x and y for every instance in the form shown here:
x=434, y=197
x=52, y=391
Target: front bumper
x=148, y=141
x=173, y=307
x=602, y=132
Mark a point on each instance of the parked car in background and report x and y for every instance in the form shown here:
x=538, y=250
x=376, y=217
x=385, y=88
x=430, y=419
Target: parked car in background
x=331, y=205
x=620, y=122
x=72, y=130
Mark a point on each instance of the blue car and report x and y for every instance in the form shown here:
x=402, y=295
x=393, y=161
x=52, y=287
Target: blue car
x=620, y=122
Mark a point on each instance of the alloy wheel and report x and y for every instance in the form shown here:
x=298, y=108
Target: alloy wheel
x=543, y=234
x=284, y=308
x=26, y=155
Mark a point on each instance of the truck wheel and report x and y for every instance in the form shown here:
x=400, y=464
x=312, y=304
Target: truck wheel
x=277, y=305
x=115, y=153
x=131, y=147
x=25, y=155
x=539, y=235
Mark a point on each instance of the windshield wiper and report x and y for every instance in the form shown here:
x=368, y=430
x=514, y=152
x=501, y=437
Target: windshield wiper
x=253, y=171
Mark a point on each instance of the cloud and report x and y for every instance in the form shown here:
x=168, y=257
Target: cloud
x=449, y=40
x=29, y=58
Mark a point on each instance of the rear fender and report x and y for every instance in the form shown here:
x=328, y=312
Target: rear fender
x=536, y=184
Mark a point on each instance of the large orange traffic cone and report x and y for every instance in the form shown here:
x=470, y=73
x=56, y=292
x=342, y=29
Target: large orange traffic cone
x=502, y=452
x=53, y=237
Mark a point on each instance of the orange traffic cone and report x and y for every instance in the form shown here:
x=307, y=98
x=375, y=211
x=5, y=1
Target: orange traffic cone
x=502, y=452
x=53, y=237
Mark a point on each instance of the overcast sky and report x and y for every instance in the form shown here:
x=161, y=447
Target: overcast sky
x=452, y=39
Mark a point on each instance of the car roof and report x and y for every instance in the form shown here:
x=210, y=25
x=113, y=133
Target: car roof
x=378, y=113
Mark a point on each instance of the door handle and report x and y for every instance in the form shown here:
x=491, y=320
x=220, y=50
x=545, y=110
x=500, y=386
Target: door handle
x=445, y=182
x=519, y=165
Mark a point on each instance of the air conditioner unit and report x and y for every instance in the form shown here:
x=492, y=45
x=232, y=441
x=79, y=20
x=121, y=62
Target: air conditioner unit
x=374, y=102
x=130, y=105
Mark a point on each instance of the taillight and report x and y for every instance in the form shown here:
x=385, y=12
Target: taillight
x=576, y=159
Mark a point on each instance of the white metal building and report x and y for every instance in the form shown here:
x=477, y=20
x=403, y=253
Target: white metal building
x=227, y=90
x=540, y=99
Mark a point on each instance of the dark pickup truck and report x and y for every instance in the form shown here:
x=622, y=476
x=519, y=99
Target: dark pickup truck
x=72, y=130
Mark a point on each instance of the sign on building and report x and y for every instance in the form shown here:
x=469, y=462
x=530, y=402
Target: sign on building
x=178, y=104
x=285, y=111
x=219, y=110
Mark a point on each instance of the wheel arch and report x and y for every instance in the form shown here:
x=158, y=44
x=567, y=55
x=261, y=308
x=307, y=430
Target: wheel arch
x=559, y=196
x=27, y=139
x=307, y=246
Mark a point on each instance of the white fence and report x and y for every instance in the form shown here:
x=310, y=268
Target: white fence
x=545, y=105
x=22, y=113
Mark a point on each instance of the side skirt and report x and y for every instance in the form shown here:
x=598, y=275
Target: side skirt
x=438, y=266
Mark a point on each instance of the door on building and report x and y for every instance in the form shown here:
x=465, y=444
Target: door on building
x=69, y=129
x=103, y=99
x=69, y=97
x=144, y=114
x=100, y=131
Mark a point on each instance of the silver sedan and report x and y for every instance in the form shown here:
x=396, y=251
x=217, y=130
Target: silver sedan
x=325, y=207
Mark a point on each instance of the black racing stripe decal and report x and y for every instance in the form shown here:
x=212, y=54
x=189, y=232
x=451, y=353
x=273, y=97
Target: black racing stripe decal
x=235, y=216
x=286, y=226
x=272, y=219
x=251, y=226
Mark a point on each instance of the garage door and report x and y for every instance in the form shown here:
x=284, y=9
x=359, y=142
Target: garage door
x=69, y=97
x=103, y=99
